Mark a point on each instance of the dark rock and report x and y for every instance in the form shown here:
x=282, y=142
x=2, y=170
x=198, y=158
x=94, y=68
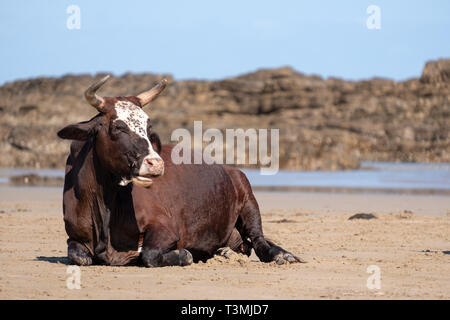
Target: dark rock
x=365, y=216
x=36, y=180
x=284, y=221
x=27, y=109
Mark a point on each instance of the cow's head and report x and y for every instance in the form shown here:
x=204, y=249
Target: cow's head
x=124, y=143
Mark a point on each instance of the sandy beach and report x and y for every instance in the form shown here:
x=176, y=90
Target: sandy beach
x=409, y=241
x=336, y=114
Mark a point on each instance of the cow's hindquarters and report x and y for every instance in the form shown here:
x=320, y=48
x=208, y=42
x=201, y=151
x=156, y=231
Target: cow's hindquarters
x=249, y=224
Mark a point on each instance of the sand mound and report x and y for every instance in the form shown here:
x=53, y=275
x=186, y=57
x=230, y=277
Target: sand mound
x=228, y=256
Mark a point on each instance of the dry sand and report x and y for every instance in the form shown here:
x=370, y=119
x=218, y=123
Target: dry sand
x=411, y=248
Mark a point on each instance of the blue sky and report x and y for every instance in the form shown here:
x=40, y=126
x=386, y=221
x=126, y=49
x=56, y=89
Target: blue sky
x=217, y=39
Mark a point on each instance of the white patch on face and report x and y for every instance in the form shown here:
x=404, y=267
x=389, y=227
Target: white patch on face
x=136, y=120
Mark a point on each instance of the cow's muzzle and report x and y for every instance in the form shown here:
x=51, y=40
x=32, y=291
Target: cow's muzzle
x=151, y=167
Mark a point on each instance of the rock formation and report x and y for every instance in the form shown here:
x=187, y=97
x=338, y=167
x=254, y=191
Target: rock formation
x=325, y=124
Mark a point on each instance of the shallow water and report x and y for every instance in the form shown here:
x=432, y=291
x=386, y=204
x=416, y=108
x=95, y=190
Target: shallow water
x=381, y=175
x=372, y=175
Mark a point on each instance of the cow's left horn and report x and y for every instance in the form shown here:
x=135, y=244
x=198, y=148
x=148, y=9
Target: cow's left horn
x=94, y=100
x=147, y=96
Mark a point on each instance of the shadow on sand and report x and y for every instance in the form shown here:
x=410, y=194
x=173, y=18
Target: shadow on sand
x=62, y=260
x=65, y=260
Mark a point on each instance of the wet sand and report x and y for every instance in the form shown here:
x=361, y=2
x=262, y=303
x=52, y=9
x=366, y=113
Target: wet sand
x=409, y=241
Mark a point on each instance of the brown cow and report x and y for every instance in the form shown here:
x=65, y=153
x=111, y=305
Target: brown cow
x=114, y=205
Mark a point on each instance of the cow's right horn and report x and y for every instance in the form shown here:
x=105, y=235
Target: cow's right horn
x=147, y=96
x=94, y=100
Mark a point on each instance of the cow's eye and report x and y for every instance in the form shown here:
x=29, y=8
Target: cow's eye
x=120, y=126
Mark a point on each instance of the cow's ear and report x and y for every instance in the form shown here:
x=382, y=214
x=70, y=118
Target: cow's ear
x=79, y=131
x=156, y=143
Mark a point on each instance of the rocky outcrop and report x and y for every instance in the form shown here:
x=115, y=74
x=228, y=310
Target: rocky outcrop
x=436, y=71
x=325, y=124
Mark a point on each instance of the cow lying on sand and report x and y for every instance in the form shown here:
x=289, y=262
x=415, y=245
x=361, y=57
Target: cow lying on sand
x=116, y=210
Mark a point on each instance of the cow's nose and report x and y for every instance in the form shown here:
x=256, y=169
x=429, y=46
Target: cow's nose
x=155, y=166
x=152, y=162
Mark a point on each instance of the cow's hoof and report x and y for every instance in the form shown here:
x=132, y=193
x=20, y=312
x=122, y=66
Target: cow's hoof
x=154, y=258
x=151, y=258
x=287, y=257
x=185, y=258
x=225, y=252
x=79, y=257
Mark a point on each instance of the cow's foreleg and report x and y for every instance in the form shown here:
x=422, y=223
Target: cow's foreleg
x=78, y=254
x=159, y=247
x=157, y=258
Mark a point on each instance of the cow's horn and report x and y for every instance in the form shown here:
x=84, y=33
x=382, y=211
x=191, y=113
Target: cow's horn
x=94, y=100
x=148, y=96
